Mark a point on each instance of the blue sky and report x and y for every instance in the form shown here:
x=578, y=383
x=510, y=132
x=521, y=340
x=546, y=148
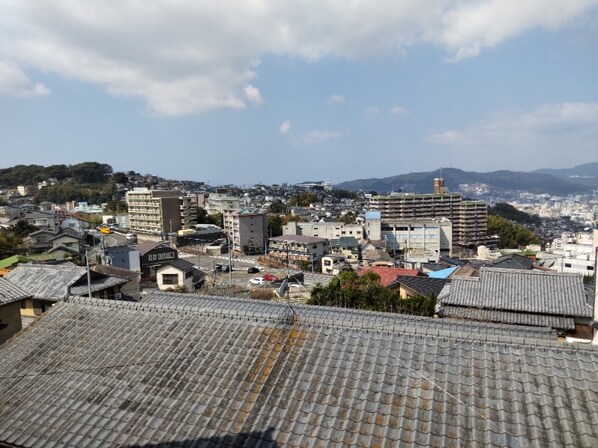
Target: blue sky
x=286, y=91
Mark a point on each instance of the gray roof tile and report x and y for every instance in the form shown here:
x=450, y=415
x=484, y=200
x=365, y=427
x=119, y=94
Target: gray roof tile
x=220, y=371
x=10, y=293
x=550, y=293
x=49, y=282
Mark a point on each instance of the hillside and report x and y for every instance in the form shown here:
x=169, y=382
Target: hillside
x=586, y=174
x=535, y=182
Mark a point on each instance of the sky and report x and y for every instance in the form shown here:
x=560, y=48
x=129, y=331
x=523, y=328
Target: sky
x=270, y=91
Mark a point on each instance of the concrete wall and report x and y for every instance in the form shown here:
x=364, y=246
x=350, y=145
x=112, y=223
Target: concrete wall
x=10, y=320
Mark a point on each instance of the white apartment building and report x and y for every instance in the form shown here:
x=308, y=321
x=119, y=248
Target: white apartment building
x=328, y=230
x=159, y=211
x=424, y=240
x=247, y=229
x=220, y=201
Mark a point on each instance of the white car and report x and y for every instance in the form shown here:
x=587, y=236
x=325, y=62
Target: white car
x=258, y=281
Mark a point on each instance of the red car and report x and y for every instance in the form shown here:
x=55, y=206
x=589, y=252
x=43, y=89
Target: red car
x=270, y=278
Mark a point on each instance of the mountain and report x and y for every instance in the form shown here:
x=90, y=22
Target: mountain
x=586, y=174
x=534, y=182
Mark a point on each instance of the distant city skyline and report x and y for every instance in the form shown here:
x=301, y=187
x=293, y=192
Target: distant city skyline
x=274, y=91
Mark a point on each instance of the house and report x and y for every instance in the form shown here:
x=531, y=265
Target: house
x=186, y=370
x=154, y=254
x=48, y=284
x=334, y=264
x=179, y=273
x=417, y=286
x=123, y=257
x=129, y=290
x=387, y=274
x=11, y=297
x=39, y=241
x=520, y=297
x=513, y=261
x=348, y=247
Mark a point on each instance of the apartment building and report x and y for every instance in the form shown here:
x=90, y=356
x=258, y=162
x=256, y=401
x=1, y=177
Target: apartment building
x=247, y=229
x=468, y=218
x=420, y=240
x=159, y=211
x=220, y=201
x=328, y=230
x=298, y=251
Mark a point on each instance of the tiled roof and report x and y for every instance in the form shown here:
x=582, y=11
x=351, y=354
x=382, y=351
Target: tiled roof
x=9, y=292
x=95, y=373
x=513, y=261
x=527, y=291
x=422, y=285
x=388, y=275
x=146, y=246
x=509, y=317
x=47, y=282
x=181, y=264
x=97, y=284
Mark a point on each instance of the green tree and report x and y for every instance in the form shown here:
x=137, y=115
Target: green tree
x=511, y=235
x=22, y=228
x=277, y=207
x=348, y=218
x=303, y=199
x=120, y=178
x=116, y=207
x=275, y=223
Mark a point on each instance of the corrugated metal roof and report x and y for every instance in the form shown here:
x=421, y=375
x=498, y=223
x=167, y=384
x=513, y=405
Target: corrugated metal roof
x=528, y=291
x=107, y=373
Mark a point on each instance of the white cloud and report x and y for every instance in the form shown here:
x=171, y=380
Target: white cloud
x=336, y=100
x=253, y=95
x=398, y=111
x=448, y=137
x=285, y=127
x=186, y=57
x=541, y=136
x=14, y=82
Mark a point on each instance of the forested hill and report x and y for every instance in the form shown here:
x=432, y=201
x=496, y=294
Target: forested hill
x=501, y=180
x=83, y=173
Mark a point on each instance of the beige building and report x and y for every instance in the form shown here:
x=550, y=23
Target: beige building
x=298, y=251
x=159, y=211
x=468, y=218
x=220, y=201
x=247, y=229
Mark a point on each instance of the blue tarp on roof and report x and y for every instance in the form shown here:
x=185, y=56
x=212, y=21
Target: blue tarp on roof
x=444, y=273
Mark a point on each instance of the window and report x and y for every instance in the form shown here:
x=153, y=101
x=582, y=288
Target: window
x=170, y=279
x=567, y=265
x=590, y=268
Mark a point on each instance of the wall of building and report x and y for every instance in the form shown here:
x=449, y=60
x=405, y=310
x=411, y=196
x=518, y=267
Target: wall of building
x=181, y=279
x=10, y=321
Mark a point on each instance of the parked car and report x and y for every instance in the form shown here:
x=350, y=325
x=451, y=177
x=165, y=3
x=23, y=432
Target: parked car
x=258, y=281
x=270, y=277
x=253, y=270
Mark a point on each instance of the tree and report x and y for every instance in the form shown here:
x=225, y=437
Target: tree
x=120, y=178
x=116, y=207
x=348, y=218
x=511, y=235
x=22, y=229
x=275, y=223
x=277, y=207
x=91, y=172
x=303, y=199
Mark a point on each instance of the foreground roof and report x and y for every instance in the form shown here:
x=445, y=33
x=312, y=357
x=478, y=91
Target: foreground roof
x=10, y=293
x=527, y=291
x=44, y=281
x=185, y=370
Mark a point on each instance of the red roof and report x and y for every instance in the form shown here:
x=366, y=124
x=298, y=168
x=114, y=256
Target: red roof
x=388, y=275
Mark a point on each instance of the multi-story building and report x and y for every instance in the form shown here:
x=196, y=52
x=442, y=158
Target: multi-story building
x=298, y=251
x=328, y=230
x=419, y=240
x=159, y=211
x=468, y=218
x=220, y=201
x=247, y=229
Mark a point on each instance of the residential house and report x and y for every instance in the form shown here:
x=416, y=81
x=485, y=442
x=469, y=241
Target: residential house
x=129, y=290
x=348, y=247
x=123, y=257
x=39, y=241
x=11, y=297
x=179, y=273
x=520, y=297
x=388, y=274
x=189, y=370
x=42, y=220
x=68, y=243
x=153, y=255
x=409, y=286
x=374, y=252
x=48, y=284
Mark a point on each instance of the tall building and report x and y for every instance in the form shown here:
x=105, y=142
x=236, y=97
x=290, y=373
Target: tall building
x=159, y=211
x=220, y=201
x=468, y=218
x=247, y=229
